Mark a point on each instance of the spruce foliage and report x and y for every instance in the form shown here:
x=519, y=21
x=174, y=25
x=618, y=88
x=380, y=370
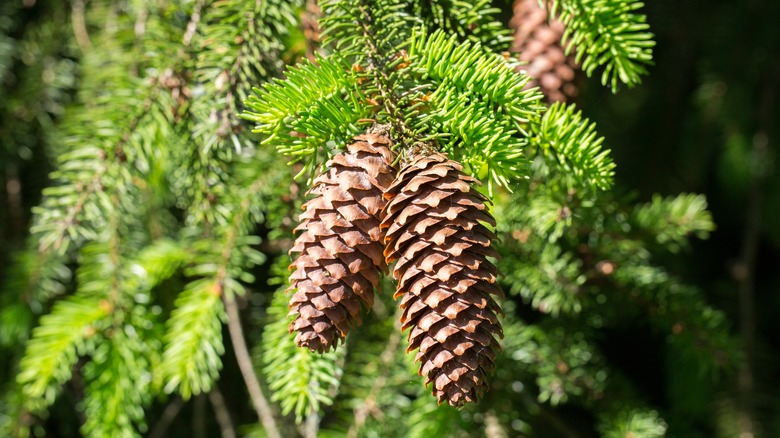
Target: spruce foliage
x=166, y=205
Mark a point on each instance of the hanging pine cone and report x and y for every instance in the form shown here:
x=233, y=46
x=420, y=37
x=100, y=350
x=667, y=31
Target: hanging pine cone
x=341, y=245
x=310, y=18
x=538, y=40
x=433, y=229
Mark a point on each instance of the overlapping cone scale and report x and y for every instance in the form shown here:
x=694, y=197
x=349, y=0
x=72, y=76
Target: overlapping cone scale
x=538, y=40
x=435, y=230
x=340, y=246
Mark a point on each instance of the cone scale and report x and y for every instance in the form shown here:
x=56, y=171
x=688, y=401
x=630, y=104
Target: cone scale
x=340, y=248
x=434, y=230
x=538, y=40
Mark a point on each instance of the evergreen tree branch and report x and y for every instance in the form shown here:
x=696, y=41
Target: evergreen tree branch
x=222, y=413
x=172, y=409
x=79, y=25
x=632, y=422
x=259, y=401
x=570, y=145
x=476, y=21
x=428, y=419
x=54, y=349
x=192, y=355
x=248, y=49
x=480, y=106
x=546, y=277
x=193, y=339
x=56, y=230
x=60, y=337
x=384, y=82
x=328, y=95
x=608, y=34
x=672, y=220
x=116, y=390
x=33, y=280
x=301, y=381
x=369, y=404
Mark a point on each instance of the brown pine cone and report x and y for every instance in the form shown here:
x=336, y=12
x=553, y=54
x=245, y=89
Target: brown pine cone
x=538, y=40
x=341, y=245
x=434, y=230
x=310, y=17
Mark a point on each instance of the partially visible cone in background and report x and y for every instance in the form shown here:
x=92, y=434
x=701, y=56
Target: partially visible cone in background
x=434, y=222
x=310, y=25
x=341, y=244
x=538, y=41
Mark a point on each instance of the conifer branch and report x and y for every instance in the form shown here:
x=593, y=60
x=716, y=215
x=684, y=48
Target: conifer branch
x=245, y=52
x=238, y=341
x=52, y=352
x=476, y=21
x=632, y=421
x=56, y=233
x=378, y=63
x=222, y=413
x=61, y=336
x=160, y=429
x=608, y=34
x=302, y=382
x=327, y=93
x=427, y=418
x=34, y=279
x=193, y=340
x=569, y=143
x=368, y=405
x=192, y=356
x=116, y=390
x=672, y=220
x=79, y=25
x=480, y=105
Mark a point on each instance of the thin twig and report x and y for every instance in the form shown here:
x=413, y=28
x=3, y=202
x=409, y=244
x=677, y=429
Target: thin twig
x=80, y=25
x=140, y=24
x=385, y=359
x=382, y=79
x=311, y=426
x=192, y=26
x=96, y=183
x=259, y=401
x=199, y=416
x=557, y=423
x=493, y=427
x=747, y=308
x=745, y=271
x=160, y=428
x=222, y=414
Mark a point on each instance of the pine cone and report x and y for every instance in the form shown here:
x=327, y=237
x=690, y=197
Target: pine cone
x=433, y=229
x=341, y=245
x=539, y=42
x=310, y=24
